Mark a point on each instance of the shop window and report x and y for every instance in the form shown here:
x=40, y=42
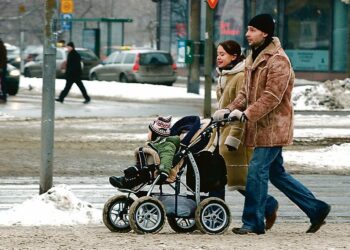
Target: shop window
x=308, y=34
x=340, y=37
x=229, y=21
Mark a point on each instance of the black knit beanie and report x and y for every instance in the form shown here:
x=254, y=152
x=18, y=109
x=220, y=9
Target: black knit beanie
x=263, y=22
x=71, y=44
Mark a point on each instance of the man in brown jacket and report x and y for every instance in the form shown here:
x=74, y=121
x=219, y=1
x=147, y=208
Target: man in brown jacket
x=265, y=105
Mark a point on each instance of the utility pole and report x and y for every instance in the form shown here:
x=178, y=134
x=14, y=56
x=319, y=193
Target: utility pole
x=193, y=83
x=48, y=95
x=208, y=60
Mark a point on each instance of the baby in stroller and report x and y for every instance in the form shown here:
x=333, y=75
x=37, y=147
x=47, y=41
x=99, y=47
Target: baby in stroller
x=165, y=145
x=171, y=152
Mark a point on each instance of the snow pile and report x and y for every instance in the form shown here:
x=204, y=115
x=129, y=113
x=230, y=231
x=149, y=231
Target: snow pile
x=58, y=206
x=330, y=95
x=329, y=158
x=341, y=91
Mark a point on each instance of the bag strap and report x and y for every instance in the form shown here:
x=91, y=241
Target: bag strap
x=142, y=157
x=216, y=150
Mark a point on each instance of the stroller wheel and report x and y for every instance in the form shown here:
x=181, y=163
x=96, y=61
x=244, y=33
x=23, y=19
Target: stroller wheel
x=116, y=213
x=213, y=216
x=147, y=215
x=182, y=225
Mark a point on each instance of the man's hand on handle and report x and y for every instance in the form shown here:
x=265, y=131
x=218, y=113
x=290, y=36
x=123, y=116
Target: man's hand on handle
x=239, y=115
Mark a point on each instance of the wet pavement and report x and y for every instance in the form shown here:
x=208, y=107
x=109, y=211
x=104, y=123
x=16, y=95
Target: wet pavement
x=333, y=189
x=29, y=106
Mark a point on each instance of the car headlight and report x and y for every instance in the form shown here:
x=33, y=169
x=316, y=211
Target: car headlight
x=14, y=72
x=18, y=59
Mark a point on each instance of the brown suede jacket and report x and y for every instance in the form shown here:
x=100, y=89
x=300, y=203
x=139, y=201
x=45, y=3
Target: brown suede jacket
x=266, y=98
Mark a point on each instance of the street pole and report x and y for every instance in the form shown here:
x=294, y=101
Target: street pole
x=48, y=95
x=193, y=83
x=208, y=60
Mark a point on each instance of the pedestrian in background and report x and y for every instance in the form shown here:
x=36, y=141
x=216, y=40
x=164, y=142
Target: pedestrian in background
x=230, y=69
x=265, y=106
x=73, y=74
x=3, y=70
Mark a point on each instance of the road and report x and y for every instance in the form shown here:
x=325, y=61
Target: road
x=334, y=189
x=331, y=188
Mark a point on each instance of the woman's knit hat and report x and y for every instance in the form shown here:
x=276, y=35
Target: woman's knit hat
x=263, y=22
x=161, y=126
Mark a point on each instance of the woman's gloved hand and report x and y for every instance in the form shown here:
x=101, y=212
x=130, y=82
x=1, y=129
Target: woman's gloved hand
x=220, y=114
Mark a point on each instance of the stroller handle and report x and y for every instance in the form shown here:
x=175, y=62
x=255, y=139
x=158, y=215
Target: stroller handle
x=226, y=119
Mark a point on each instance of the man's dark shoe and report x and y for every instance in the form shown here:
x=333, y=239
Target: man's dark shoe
x=58, y=100
x=271, y=219
x=86, y=101
x=316, y=226
x=242, y=231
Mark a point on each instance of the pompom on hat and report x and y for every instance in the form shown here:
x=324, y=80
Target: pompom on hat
x=161, y=126
x=263, y=22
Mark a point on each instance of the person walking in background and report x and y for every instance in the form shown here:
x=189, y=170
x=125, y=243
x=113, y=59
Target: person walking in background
x=3, y=70
x=266, y=108
x=230, y=69
x=73, y=74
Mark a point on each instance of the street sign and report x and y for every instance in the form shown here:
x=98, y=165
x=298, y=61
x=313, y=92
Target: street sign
x=21, y=8
x=213, y=3
x=66, y=21
x=67, y=6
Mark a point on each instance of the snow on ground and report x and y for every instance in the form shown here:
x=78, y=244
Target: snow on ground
x=334, y=157
x=307, y=95
x=118, y=90
x=58, y=206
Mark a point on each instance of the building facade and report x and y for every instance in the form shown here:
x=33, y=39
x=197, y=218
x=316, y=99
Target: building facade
x=314, y=33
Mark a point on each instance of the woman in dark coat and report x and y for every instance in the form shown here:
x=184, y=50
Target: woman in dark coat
x=73, y=74
x=3, y=69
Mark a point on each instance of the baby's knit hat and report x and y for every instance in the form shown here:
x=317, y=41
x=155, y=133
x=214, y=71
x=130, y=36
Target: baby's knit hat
x=161, y=126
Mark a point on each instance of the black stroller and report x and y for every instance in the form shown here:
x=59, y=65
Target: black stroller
x=185, y=211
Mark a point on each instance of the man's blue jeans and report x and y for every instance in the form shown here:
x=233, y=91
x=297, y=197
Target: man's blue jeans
x=271, y=202
x=267, y=163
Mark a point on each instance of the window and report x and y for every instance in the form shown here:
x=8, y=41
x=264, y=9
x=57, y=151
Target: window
x=87, y=55
x=155, y=59
x=229, y=21
x=110, y=58
x=129, y=58
x=308, y=33
x=340, y=37
x=118, y=58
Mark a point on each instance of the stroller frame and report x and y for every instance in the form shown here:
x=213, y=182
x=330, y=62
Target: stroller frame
x=133, y=214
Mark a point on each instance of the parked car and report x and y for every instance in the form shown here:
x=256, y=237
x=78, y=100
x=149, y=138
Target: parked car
x=143, y=66
x=31, y=52
x=106, y=51
x=12, y=79
x=13, y=55
x=88, y=59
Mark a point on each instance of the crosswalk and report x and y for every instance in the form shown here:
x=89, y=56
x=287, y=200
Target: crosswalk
x=333, y=189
